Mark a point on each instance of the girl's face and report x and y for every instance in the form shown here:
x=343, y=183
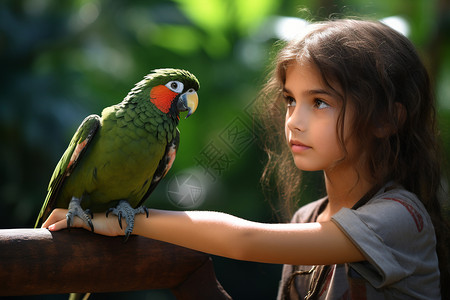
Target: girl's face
x=311, y=119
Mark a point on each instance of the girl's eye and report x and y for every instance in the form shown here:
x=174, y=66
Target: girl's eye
x=175, y=86
x=290, y=102
x=320, y=104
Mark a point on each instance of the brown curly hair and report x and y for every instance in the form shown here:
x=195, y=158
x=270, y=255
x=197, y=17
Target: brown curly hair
x=380, y=73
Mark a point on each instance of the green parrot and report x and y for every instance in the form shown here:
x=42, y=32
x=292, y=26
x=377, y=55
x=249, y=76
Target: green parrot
x=114, y=162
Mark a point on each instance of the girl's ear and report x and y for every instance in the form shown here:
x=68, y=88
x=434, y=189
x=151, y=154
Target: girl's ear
x=389, y=128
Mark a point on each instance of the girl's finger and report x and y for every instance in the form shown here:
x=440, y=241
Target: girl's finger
x=58, y=225
x=55, y=216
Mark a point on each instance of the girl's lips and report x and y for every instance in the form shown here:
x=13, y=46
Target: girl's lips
x=297, y=147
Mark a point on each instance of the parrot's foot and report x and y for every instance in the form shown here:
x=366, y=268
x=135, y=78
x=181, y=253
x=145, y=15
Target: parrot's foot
x=76, y=210
x=124, y=210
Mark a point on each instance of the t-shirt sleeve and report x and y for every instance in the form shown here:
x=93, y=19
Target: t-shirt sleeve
x=394, y=234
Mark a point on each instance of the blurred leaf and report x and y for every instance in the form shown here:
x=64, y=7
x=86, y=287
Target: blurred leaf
x=181, y=39
x=211, y=15
x=251, y=13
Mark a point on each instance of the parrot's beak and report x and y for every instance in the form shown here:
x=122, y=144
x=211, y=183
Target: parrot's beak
x=188, y=102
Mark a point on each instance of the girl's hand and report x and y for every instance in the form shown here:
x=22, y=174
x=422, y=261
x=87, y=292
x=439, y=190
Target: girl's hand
x=102, y=225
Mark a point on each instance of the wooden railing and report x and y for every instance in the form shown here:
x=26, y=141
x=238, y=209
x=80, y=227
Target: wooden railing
x=37, y=261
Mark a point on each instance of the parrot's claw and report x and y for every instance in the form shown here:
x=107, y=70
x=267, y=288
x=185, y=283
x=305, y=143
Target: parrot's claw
x=76, y=210
x=124, y=210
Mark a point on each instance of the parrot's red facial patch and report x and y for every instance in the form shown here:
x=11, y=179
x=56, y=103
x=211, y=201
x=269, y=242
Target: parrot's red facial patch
x=162, y=97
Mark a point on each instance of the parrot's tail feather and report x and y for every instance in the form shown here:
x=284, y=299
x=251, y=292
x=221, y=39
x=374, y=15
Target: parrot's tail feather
x=86, y=296
x=78, y=296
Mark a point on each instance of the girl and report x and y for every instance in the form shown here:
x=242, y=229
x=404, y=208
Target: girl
x=357, y=105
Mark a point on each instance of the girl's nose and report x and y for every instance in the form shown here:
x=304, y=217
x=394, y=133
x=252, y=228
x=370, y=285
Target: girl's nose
x=296, y=119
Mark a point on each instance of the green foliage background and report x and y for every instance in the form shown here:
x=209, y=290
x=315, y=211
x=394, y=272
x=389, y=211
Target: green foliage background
x=63, y=60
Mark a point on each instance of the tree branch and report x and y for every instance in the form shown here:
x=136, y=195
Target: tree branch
x=37, y=261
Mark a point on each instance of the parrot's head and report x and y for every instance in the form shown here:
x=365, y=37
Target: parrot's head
x=170, y=90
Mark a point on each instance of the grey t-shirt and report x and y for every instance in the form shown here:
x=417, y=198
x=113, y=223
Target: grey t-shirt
x=394, y=232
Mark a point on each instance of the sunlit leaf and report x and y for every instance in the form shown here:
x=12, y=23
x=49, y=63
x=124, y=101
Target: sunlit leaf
x=211, y=15
x=251, y=13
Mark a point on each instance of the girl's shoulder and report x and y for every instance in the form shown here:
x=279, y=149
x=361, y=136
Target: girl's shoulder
x=399, y=204
x=395, y=234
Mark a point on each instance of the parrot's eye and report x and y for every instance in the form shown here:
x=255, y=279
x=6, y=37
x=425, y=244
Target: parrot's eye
x=175, y=86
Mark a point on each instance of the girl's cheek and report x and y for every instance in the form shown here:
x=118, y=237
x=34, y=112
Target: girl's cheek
x=286, y=130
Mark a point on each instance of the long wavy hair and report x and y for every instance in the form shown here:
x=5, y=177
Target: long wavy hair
x=382, y=77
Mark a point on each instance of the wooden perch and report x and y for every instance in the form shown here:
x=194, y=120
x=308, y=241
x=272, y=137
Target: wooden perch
x=37, y=261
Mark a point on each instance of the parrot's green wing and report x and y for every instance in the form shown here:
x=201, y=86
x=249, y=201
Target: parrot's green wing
x=78, y=145
x=164, y=164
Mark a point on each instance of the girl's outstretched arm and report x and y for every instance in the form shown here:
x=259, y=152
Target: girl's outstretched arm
x=225, y=235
